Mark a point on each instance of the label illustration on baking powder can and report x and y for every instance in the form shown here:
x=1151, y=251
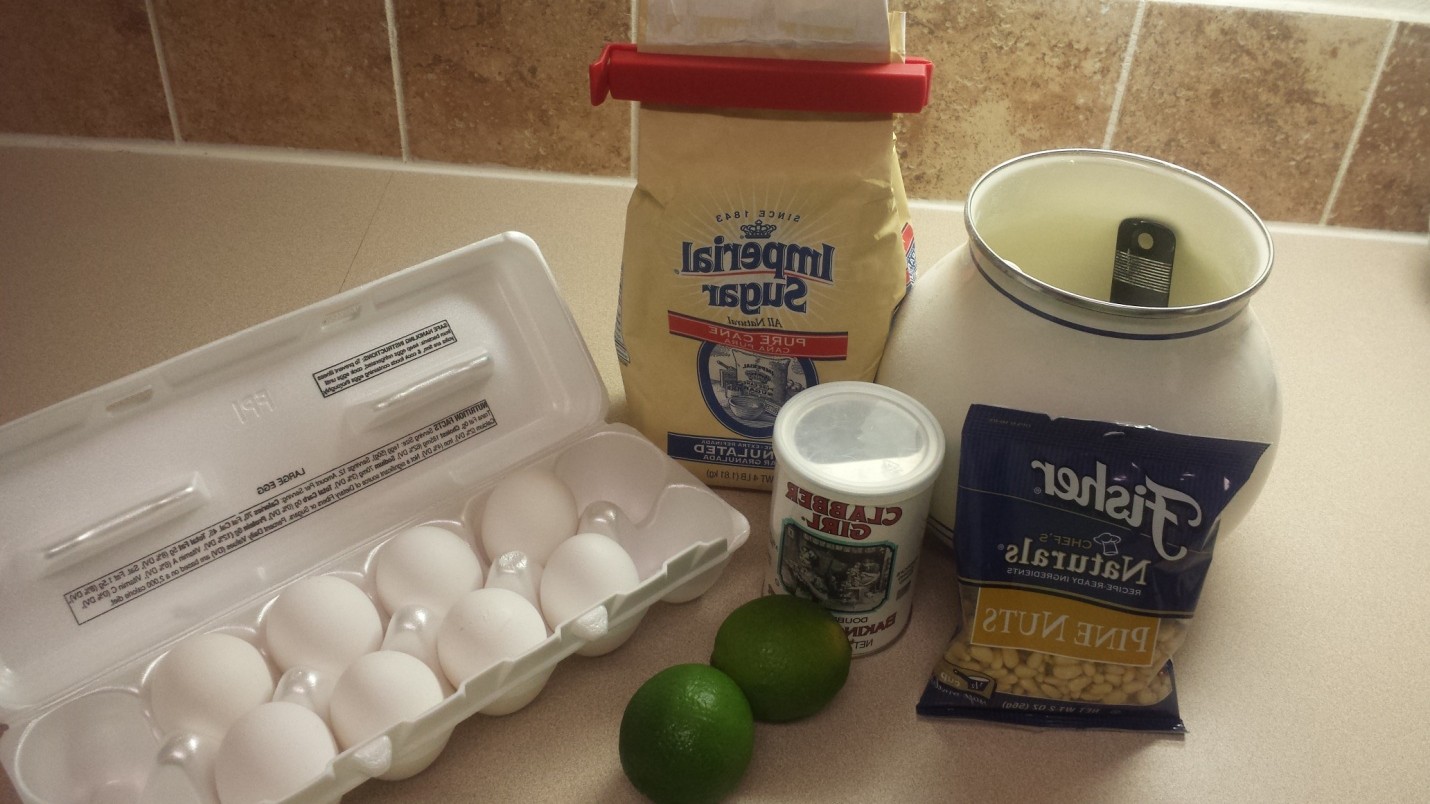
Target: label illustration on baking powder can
x=858, y=561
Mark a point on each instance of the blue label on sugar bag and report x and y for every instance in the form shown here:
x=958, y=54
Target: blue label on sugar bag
x=1082, y=549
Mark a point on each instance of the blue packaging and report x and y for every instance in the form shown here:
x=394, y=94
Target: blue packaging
x=1082, y=547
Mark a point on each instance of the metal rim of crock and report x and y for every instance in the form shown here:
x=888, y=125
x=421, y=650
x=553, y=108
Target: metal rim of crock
x=1098, y=305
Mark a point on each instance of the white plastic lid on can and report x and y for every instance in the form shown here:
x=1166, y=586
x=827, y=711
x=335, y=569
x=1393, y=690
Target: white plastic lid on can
x=863, y=439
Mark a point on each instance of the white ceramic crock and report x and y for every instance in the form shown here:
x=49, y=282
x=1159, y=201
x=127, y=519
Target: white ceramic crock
x=1019, y=317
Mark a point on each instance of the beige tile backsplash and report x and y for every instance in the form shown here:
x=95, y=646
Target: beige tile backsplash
x=505, y=83
x=83, y=68
x=314, y=74
x=1387, y=185
x=1311, y=118
x=1261, y=101
x=1010, y=77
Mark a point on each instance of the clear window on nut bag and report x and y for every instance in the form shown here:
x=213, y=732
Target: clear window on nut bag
x=1082, y=547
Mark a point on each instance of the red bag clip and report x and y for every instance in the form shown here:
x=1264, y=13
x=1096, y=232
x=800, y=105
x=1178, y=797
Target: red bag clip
x=742, y=83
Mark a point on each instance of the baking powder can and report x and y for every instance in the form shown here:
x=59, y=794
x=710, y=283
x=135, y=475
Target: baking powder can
x=855, y=465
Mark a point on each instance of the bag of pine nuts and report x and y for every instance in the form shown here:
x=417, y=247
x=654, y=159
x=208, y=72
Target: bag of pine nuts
x=1082, y=547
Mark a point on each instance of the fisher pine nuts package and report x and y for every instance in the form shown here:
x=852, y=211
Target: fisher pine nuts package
x=1082, y=547
x=766, y=251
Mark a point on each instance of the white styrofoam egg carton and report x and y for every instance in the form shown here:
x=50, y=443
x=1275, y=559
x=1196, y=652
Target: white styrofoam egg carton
x=184, y=500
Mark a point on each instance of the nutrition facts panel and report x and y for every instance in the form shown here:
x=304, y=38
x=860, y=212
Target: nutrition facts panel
x=290, y=504
x=361, y=368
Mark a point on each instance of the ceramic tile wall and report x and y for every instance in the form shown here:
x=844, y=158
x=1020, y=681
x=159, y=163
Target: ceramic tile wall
x=274, y=72
x=1264, y=102
x=85, y=68
x=1389, y=172
x=1010, y=77
x=505, y=83
x=1311, y=118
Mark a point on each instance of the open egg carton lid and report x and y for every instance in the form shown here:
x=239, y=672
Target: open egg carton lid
x=181, y=498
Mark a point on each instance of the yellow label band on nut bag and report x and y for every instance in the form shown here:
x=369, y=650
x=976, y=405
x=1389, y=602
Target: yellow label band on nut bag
x=1021, y=619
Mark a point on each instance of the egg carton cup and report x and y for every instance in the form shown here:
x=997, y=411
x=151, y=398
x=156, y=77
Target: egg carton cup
x=184, y=500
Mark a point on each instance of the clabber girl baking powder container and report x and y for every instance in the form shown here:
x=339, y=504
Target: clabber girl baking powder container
x=855, y=464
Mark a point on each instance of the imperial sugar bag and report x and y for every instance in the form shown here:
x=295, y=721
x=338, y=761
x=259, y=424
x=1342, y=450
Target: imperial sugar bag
x=765, y=252
x=1082, y=547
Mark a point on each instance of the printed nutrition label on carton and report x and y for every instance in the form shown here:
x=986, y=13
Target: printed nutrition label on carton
x=379, y=360
x=292, y=503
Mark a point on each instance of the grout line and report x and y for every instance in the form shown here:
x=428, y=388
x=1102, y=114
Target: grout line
x=398, y=89
x=1354, y=142
x=295, y=156
x=1114, y=115
x=163, y=70
x=633, y=149
x=1407, y=11
x=1317, y=230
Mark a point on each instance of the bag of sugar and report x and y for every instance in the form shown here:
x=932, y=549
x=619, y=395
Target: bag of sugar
x=766, y=249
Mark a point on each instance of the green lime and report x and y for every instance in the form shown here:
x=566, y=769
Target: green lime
x=687, y=735
x=787, y=653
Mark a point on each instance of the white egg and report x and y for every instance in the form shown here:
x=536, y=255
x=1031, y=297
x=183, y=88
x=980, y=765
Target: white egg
x=486, y=627
x=271, y=753
x=377, y=692
x=206, y=682
x=531, y=511
x=585, y=570
x=425, y=566
x=323, y=623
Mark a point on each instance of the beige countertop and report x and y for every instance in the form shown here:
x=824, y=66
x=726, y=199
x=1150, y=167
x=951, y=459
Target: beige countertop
x=1302, y=679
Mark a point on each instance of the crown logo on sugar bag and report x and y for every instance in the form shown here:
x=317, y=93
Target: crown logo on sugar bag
x=759, y=230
